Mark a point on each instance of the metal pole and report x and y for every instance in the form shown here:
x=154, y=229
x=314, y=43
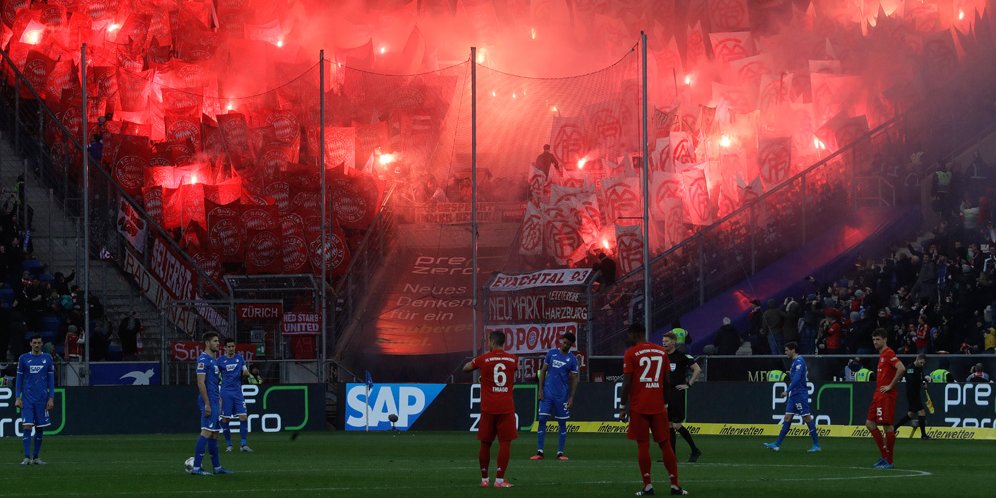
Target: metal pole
x=647, y=310
x=473, y=181
x=86, y=224
x=23, y=198
x=325, y=242
x=805, y=220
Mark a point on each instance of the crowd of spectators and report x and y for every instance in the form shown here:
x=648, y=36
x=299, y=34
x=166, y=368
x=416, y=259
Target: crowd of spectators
x=35, y=300
x=934, y=295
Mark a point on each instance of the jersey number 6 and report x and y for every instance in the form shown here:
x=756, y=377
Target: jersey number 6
x=500, y=376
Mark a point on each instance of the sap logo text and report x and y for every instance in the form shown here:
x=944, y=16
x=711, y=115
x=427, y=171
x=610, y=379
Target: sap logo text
x=372, y=411
x=35, y=368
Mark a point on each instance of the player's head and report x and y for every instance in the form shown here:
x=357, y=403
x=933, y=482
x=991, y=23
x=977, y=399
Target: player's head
x=790, y=349
x=669, y=341
x=36, y=343
x=229, y=347
x=546, y=147
x=637, y=333
x=567, y=341
x=496, y=339
x=211, y=342
x=921, y=360
x=880, y=339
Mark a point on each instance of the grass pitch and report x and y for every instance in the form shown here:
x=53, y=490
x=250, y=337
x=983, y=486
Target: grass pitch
x=445, y=464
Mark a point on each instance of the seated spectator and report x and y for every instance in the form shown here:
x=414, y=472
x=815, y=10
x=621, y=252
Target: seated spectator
x=978, y=374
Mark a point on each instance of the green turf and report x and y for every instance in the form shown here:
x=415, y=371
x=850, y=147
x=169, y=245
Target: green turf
x=445, y=464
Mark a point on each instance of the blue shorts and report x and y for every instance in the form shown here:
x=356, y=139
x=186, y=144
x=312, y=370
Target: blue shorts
x=34, y=413
x=210, y=422
x=233, y=404
x=798, y=404
x=555, y=408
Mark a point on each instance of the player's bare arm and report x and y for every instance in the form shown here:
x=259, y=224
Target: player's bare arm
x=900, y=370
x=539, y=379
x=202, y=387
x=574, y=388
x=627, y=379
x=469, y=367
x=696, y=371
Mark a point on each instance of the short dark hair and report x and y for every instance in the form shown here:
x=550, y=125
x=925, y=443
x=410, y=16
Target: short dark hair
x=921, y=356
x=791, y=345
x=497, y=337
x=637, y=329
x=670, y=335
x=208, y=336
x=230, y=340
x=570, y=337
x=34, y=336
x=880, y=333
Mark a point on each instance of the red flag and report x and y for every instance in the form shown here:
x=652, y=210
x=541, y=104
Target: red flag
x=728, y=47
x=629, y=247
x=774, y=158
x=729, y=15
x=128, y=166
x=223, y=230
x=531, y=236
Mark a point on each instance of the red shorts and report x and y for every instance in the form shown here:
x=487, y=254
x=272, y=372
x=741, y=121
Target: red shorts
x=882, y=408
x=640, y=423
x=497, y=424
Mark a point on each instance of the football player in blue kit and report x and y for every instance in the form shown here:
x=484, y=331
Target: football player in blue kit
x=559, y=378
x=797, y=402
x=209, y=401
x=34, y=390
x=233, y=404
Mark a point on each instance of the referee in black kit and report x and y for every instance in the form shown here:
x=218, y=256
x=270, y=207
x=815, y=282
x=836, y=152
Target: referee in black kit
x=679, y=381
x=915, y=384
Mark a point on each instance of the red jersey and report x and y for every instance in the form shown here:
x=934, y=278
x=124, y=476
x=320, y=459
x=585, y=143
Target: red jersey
x=886, y=368
x=497, y=379
x=647, y=364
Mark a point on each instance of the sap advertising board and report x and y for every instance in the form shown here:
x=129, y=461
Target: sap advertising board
x=424, y=406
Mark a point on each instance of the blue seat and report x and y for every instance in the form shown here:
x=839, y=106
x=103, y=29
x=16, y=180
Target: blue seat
x=33, y=265
x=49, y=336
x=6, y=297
x=50, y=323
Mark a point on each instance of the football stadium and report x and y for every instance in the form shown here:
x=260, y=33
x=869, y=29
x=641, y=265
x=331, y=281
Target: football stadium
x=610, y=247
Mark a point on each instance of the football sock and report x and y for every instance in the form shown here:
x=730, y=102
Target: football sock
x=812, y=432
x=879, y=441
x=670, y=463
x=227, y=431
x=38, y=441
x=244, y=431
x=674, y=438
x=484, y=457
x=643, y=457
x=687, y=436
x=922, y=420
x=890, y=443
x=27, y=444
x=199, y=448
x=541, y=433
x=785, y=430
x=504, y=454
x=562, y=441
x=213, y=450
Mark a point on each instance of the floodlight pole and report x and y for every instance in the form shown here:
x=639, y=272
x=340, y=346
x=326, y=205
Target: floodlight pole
x=324, y=247
x=647, y=313
x=473, y=189
x=87, y=339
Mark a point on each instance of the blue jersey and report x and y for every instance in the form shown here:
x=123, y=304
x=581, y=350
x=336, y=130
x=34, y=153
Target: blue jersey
x=208, y=365
x=35, y=377
x=559, y=367
x=797, y=377
x=231, y=372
